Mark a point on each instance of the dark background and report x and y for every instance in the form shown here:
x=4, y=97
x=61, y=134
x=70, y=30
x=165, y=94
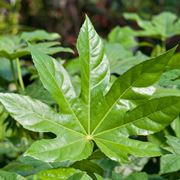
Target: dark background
x=66, y=16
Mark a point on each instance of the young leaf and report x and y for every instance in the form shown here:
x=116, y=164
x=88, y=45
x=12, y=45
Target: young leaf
x=105, y=114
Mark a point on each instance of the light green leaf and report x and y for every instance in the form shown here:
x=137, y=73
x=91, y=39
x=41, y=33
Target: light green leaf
x=169, y=163
x=95, y=72
x=162, y=92
x=39, y=35
x=170, y=78
x=174, y=142
x=137, y=176
x=37, y=91
x=122, y=59
x=54, y=78
x=3, y=116
x=163, y=25
x=36, y=116
x=62, y=174
x=175, y=62
x=118, y=148
x=124, y=36
x=10, y=175
x=50, y=47
x=176, y=125
x=13, y=47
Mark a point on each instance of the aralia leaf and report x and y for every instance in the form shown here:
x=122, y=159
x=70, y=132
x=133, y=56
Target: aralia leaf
x=103, y=113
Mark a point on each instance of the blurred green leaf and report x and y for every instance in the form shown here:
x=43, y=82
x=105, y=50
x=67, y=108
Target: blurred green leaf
x=124, y=36
x=121, y=59
x=4, y=175
x=163, y=25
x=171, y=162
x=39, y=35
x=62, y=174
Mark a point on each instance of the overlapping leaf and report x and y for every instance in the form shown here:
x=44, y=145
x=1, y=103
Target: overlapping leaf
x=105, y=114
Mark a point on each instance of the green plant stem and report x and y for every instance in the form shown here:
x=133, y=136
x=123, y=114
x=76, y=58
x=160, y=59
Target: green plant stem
x=19, y=74
x=14, y=74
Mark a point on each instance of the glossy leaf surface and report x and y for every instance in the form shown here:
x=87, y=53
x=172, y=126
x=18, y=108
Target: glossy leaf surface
x=61, y=174
x=108, y=114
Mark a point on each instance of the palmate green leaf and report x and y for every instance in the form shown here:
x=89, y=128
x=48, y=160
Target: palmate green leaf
x=104, y=114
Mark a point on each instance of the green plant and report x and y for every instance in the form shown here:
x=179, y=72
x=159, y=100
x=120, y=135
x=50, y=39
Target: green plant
x=104, y=116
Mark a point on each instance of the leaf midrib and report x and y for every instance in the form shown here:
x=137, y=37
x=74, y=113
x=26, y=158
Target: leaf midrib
x=45, y=119
x=89, y=90
x=69, y=144
x=134, y=120
x=64, y=98
x=107, y=113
